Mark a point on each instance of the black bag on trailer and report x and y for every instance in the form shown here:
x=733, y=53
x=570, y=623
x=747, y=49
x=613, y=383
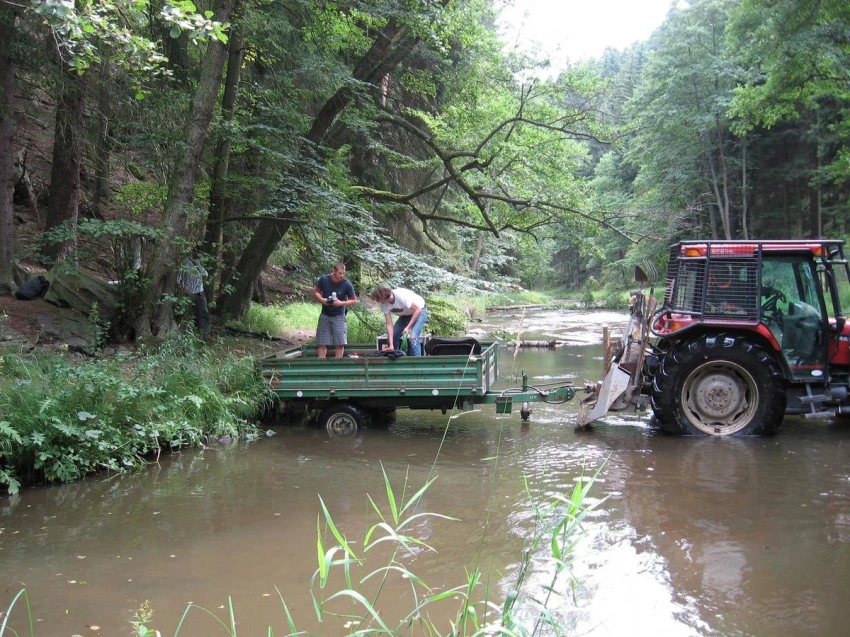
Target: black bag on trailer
x=387, y=353
x=452, y=346
x=33, y=289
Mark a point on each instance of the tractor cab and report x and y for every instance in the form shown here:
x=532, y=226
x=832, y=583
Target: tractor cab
x=795, y=313
x=747, y=332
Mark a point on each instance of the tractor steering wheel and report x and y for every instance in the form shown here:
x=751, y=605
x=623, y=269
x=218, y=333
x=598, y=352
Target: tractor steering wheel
x=770, y=308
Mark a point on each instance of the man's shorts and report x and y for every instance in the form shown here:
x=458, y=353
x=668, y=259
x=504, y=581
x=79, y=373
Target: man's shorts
x=332, y=330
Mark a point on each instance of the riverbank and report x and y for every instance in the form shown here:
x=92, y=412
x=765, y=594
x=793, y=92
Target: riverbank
x=65, y=415
x=73, y=404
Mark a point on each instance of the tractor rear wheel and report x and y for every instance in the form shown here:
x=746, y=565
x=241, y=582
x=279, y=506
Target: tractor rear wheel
x=718, y=385
x=342, y=420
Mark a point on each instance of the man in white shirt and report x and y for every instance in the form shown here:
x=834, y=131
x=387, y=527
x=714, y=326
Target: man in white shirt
x=411, y=311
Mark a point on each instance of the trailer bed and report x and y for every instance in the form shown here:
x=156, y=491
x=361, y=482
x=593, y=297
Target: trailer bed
x=365, y=385
x=296, y=374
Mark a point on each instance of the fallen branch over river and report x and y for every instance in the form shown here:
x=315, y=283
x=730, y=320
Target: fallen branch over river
x=548, y=344
x=529, y=306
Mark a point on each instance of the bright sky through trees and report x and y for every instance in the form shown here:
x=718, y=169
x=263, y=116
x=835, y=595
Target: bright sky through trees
x=579, y=29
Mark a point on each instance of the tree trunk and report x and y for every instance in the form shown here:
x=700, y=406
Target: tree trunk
x=258, y=295
x=815, y=219
x=745, y=231
x=263, y=242
x=713, y=212
x=218, y=190
x=723, y=192
x=479, y=248
x=64, y=196
x=8, y=17
x=157, y=315
x=392, y=44
x=23, y=185
x=102, y=149
x=799, y=213
x=232, y=231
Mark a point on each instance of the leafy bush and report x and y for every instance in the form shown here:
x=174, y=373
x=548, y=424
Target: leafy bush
x=614, y=300
x=63, y=418
x=445, y=318
x=364, y=326
x=121, y=239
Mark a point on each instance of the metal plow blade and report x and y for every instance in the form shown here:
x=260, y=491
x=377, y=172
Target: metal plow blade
x=607, y=391
x=620, y=386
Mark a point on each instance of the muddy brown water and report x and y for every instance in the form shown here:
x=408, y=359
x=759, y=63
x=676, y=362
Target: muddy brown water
x=696, y=536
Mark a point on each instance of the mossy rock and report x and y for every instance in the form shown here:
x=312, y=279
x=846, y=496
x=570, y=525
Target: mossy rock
x=80, y=289
x=11, y=342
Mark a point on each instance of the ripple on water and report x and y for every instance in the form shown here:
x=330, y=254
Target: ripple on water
x=611, y=588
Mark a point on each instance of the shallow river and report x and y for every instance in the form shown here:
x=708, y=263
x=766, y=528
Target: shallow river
x=696, y=536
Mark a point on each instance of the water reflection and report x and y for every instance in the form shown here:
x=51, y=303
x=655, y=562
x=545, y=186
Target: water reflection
x=730, y=517
x=696, y=537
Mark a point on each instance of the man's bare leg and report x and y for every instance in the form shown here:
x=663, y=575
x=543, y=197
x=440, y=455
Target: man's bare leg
x=340, y=350
x=321, y=351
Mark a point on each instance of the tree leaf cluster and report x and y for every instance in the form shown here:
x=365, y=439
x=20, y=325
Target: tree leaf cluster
x=400, y=137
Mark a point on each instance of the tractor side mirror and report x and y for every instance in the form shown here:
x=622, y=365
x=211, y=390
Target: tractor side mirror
x=640, y=275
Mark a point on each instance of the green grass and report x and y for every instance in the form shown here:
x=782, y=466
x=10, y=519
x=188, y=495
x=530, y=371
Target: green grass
x=607, y=299
x=278, y=319
x=365, y=326
x=447, y=316
x=466, y=307
x=520, y=297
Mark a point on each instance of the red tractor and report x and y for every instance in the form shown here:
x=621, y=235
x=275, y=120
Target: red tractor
x=748, y=331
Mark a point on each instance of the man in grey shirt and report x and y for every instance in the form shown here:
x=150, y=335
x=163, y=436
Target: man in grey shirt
x=190, y=276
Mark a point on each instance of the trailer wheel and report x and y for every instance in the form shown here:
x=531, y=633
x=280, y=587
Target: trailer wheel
x=342, y=420
x=718, y=385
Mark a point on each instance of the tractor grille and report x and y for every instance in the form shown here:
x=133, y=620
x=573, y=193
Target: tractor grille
x=723, y=284
x=672, y=271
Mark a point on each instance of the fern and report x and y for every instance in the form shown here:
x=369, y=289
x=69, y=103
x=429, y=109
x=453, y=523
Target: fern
x=8, y=435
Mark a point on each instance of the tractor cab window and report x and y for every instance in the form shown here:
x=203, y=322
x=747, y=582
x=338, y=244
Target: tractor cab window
x=792, y=308
x=731, y=289
x=842, y=284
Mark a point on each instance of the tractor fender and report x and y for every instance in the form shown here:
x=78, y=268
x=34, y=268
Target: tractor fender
x=759, y=334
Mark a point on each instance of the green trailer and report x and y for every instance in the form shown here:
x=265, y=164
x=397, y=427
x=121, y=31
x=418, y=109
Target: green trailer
x=367, y=385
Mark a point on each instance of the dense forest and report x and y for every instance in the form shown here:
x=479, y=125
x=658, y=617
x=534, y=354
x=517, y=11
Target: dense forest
x=405, y=138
